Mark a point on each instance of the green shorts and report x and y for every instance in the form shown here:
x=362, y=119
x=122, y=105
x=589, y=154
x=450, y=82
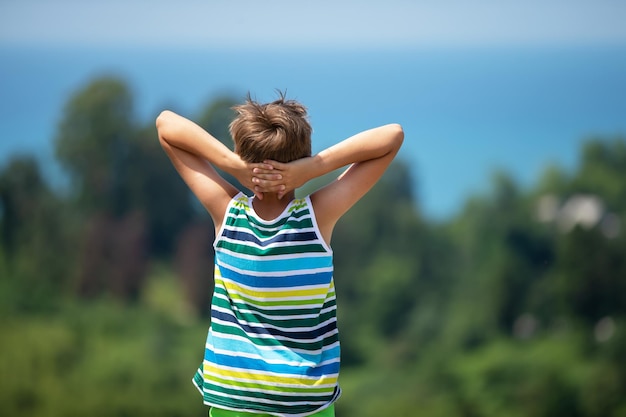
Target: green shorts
x=218, y=412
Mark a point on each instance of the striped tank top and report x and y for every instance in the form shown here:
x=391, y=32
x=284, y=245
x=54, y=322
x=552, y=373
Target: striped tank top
x=273, y=345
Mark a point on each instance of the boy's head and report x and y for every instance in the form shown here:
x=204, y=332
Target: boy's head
x=278, y=130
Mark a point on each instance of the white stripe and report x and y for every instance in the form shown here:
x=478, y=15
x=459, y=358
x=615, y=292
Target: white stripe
x=277, y=349
x=285, y=213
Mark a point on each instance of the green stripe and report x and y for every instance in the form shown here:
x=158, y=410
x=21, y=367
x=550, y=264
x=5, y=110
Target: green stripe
x=267, y=396
x=287, y=323
x=261, y=233
x=274, y=408
x=237, y=211
x=291, y=249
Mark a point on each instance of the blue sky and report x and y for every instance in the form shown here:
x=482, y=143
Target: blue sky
x=323, y=23
x=472, y=110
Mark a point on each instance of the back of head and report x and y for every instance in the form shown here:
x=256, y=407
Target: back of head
x=278, y=130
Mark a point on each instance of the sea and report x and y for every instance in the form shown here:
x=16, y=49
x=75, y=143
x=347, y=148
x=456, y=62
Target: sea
x=467, y=112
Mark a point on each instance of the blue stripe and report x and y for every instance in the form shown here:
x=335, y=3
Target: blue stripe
x=285, y=355
x=259, y=365
x=243, y=235
x=274, y=265
x=293, y=281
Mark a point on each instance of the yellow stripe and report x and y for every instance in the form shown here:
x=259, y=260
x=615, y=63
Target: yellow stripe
x=309, y=293
x=210, y=370
x=253, y=386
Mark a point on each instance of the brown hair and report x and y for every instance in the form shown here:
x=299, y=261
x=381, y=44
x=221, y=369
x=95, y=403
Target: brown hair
x=279, y=130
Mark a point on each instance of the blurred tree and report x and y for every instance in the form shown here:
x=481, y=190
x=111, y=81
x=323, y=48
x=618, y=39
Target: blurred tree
x=602, y=171
x=504, y=254
x=33, y=237
x=156, y=190
x=114, y=257
x=586, y=280
x=21, y=186
x=590, y=275
x=94, y=144
x=194, y=265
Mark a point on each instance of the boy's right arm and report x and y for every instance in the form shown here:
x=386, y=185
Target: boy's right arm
x=369, y=153
x=194, y=153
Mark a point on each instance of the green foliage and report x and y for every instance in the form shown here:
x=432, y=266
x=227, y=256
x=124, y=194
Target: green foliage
x=103, y=359
x=603, y=166
x=34, y=241
x=156, y=190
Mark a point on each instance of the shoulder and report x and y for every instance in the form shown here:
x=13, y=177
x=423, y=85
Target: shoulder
x=240, y=200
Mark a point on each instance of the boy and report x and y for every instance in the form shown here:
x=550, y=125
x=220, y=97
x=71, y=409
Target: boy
x=273, y=345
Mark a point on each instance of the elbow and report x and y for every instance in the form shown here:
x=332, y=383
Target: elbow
x=396, y=135
x=162, y=119
x=164, y=124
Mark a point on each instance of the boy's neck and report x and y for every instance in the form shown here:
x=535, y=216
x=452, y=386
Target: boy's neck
x=270, y=207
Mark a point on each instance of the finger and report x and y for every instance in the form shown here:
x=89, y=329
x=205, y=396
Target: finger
x=262, y=166
x=268, y=177
x=274, y=164
x=262, y=171
x=264, y=183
